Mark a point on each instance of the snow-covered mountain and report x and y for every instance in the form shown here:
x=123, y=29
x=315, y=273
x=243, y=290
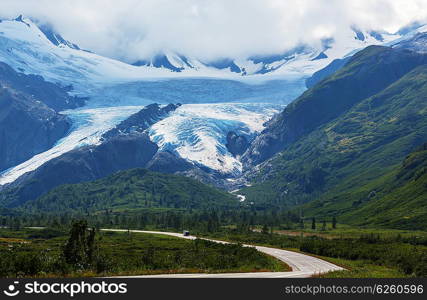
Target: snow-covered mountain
x=30, y=49
x=303, y=59
x=219, y=97
x=40, y=50
x=415, y=40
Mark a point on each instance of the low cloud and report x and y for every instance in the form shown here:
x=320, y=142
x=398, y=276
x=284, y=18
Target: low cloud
x=133, y=29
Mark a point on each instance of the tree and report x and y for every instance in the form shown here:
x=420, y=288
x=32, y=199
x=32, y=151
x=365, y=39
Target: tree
x=265, y=229
x=16, y=224
x=90, y=248
x=79, y=250
x=313, y=223
x=324, y=225
x=141, y=222
x=334, y=222
x=301, y=223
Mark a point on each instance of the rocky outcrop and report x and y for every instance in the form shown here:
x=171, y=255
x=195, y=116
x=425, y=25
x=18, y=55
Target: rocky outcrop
x=236, y=144
x=27, y=127
x=36, y=88
x=141, y=120
x=29, y=118
x=167, y=162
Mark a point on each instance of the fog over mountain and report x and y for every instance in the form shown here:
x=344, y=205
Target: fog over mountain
x=131, y=30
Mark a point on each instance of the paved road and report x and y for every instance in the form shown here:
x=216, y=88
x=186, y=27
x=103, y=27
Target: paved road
x=302, y=265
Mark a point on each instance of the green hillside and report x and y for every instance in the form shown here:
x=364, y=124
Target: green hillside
x=132, y=189
x=367, y=73
x=342, y=162
x=398, y=199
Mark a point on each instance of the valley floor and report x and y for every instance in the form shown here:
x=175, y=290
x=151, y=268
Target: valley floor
x=40, y=253
x=333, y=253
x=302, y=265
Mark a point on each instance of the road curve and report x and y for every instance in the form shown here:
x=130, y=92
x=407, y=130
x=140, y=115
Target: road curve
x=302, y=265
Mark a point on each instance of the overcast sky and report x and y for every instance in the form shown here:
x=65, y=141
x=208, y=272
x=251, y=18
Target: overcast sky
x=134, y=29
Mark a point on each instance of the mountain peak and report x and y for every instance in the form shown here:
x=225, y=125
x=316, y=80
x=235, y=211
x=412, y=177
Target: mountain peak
x=20, y=18
x=48, y=31
x=410, y=27
x=55, y=37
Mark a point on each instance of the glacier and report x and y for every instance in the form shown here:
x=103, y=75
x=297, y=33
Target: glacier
x=197, y=132
x=198, y=90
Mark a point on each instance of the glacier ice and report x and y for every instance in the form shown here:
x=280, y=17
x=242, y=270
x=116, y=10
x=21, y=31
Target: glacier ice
x=197, y=132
